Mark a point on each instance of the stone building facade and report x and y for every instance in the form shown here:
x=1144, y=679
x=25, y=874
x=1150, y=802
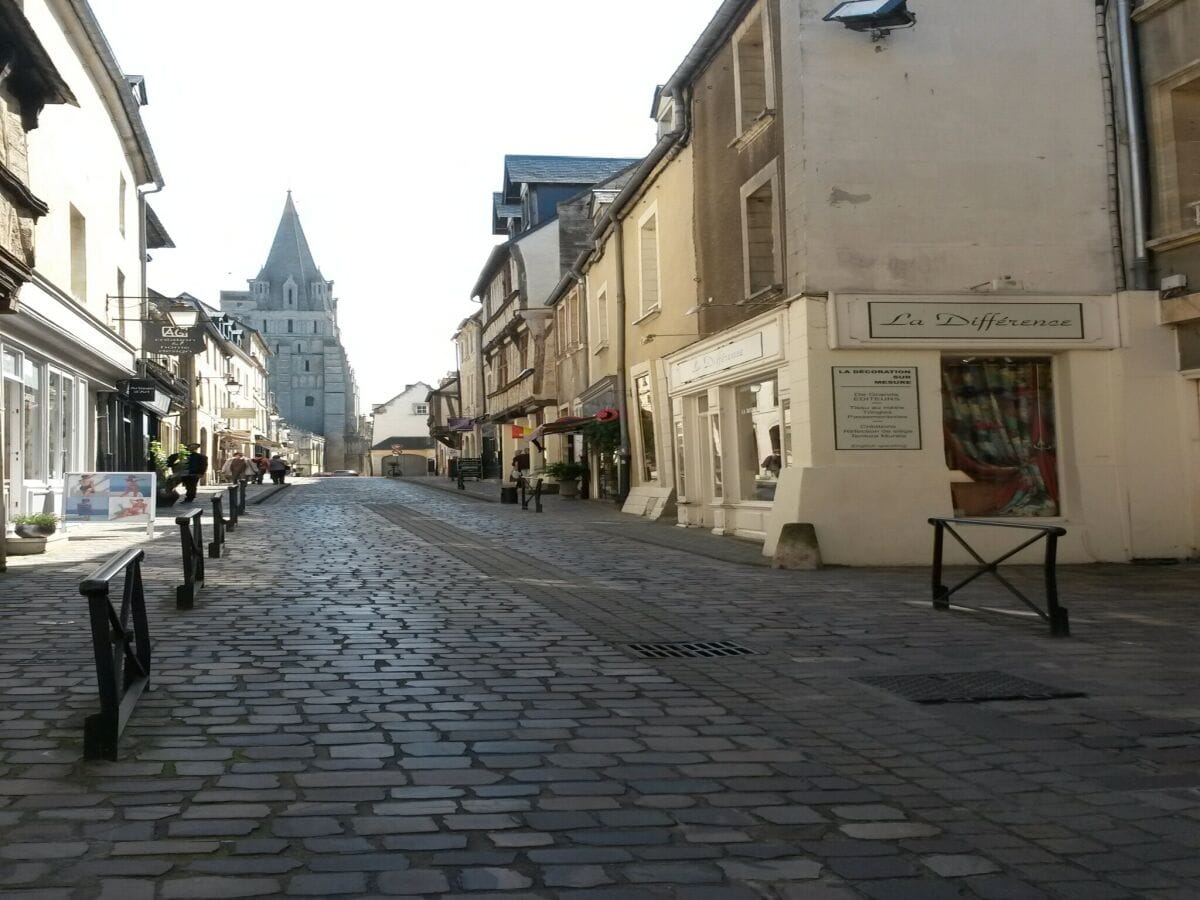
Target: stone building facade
x=292, y=304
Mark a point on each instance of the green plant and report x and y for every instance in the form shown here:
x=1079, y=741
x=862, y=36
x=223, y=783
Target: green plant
x=603, y=437
x=566, y=471
x=159, y=457
x=38, y=520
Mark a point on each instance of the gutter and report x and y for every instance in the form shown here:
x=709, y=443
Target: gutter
x=1134, y=124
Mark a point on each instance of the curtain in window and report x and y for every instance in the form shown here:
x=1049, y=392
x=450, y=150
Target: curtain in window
x=999, y=424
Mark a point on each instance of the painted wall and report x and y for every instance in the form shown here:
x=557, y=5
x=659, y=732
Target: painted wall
x=397, y=418
x=930, y=161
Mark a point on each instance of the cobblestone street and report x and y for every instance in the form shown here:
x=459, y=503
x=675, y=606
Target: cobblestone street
x=391, y=690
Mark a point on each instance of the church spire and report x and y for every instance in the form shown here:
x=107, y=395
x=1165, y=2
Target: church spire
x=289, y=254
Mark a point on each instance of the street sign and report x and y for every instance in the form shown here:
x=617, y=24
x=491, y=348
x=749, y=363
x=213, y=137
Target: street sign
x=174, y=340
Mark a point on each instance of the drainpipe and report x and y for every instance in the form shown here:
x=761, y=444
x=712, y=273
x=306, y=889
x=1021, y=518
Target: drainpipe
x=625, y=452
x=1110, y=147
x=144, y=258
x=1132, y=97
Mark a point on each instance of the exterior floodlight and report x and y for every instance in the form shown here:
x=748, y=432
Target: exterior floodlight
x=876, y=16
x=183, y=315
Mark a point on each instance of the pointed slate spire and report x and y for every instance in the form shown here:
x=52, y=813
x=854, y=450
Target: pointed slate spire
x=289, y=254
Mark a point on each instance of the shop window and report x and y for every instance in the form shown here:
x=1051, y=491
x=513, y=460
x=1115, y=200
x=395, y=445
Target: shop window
x=752, y=71
x=710, y=428
x=34, y=435
x=760, y=439
x=648, y=262
x=680, y=435
x=761, y=257
x=78, y=255
x=998, y=420
x=645, y=409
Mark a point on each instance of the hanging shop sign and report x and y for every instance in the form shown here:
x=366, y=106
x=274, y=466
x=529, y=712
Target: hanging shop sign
x=174, y=340
x=876, y=408
x=965, y=321
x=141, y=391
x=458, y=423
x=115, y=498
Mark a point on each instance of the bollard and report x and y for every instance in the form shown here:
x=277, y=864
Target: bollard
x=121, y=644
x=216, y=549
x=241, y=497
x=537, y=496
x=232, y=522
x=191, y=540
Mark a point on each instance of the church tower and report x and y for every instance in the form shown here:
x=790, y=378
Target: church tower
x=292, y=304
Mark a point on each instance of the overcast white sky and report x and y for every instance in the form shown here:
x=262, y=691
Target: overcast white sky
x=388, y=120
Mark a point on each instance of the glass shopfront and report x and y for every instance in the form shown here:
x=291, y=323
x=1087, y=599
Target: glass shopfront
x=45, y=428
x=760, y=438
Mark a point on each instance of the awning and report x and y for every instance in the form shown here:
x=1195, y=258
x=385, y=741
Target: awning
x=568, y=424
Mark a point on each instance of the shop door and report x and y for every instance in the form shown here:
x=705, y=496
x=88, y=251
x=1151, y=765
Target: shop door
x=14, y=466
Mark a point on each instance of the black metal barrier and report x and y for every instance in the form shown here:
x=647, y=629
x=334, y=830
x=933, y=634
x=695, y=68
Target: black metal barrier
x=232, y=522
x=1055, y=615
x=216, y=548
x=121, y=642
x=191, y=540
x=536, y=496
x=241, y=497
x=470, y=467
x=462, y=485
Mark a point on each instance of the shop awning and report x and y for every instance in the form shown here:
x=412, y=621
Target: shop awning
x=568, y=424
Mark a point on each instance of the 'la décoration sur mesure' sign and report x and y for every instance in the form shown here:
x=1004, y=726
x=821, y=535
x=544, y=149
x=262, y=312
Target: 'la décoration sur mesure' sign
x=876, y=408
x=1002, y=320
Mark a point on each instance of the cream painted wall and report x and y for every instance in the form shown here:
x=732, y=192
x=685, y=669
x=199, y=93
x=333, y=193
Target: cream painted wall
x=77, y=158
x=1126, y=438
x=966, y=149
x=539, y=250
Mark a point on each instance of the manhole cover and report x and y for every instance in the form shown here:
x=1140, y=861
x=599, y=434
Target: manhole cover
x=691, y=649
x=966, y=687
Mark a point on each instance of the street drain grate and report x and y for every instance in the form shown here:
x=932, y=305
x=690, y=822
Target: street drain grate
x=690, y=650
x=966, y=687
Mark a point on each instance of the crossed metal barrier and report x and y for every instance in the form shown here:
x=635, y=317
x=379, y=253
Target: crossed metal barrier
x=121, y=639
x=536, y=496
x=1054, y=614
x=121, y=642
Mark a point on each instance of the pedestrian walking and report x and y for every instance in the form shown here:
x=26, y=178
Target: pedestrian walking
x=191, y=469
x=260, y=467
x=278, y=468
x=238, y=466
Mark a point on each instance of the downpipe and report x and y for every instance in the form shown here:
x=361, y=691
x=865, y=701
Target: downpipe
x=1135, y=127
x=625, y=451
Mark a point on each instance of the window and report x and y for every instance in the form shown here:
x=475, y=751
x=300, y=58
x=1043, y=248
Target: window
x=78, y=255
x=289, y=294
x=310, y=400
x=121, y=316
x=753, y=71
x=122, y=190
x=998, y=419
x=645, y=409
x=648, y=261
x=306, y=365
x=523, y=351
x=420, y=409
x=1181, y=140
x=316, y=327
x=710, y=429
x=34, y=437
x=264, y=326
x=761, y=256
x=760, y=438
x=601, y=321
x=680, y=451
x=290, y=326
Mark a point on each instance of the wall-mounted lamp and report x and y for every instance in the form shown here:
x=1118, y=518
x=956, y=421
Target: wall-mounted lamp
x=647, y=338
x=878, y=17
x=524, y=372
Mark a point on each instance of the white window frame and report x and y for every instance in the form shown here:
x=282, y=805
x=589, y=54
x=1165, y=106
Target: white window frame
x=651, y=213
x=767, y=174
x=759, y=17
x=599, y=317
x=420, y=409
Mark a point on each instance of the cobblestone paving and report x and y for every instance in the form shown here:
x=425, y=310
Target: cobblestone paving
x=389, y=690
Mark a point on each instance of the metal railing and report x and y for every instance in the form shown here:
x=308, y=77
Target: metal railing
x=241, y=496
x=121, y=642
x=191, y=540
x=216, y=548
x=536, y=496
x=1054, y=614
x=232, y=522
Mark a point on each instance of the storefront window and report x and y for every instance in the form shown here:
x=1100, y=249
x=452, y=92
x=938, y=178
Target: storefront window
x=645, y=405
x=788, y=459
x=680, y=454
x=998, y=418
x=69, y=442
x=54, y=423
x=34, y=435
x=710, y=425
x=760, y=438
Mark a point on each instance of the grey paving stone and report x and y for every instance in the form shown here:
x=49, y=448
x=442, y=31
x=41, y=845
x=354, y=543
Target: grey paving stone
x=889, y=831
x=203, y=887
x=327, y=885
x=414, y=883
x=959, y=865
x=493, y=879
x=575, y=876
x=771, y=870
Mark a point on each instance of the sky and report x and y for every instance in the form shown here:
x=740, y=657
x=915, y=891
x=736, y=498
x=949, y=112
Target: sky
x=389, y=121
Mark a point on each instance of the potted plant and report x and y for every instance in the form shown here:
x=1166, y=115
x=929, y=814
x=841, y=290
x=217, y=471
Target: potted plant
x=567, y=474
x=165, y=493
x=35, y=525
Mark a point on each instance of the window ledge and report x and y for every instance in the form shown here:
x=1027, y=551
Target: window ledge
x=651, y=313
x=760, y=124
x=603, y=345
x=1175, y=240
x=764, y=295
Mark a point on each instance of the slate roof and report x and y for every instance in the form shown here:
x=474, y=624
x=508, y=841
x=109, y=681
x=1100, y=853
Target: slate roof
x=289, y=251
x=505, y=210
x=408, y=443
x=156, y=235
x=519, y=169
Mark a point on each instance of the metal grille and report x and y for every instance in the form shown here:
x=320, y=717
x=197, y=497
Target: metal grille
x=966, y=687
x=690, y=650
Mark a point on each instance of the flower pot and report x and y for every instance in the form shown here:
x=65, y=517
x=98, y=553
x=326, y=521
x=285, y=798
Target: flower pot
x=568, y=488
x=30, y=531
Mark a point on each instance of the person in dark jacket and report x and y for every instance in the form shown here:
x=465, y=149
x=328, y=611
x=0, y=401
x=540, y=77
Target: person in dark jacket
x=279, y=468
x=195, y=466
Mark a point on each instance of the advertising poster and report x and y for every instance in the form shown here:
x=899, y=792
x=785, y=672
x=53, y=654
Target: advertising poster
x=876, y=408
x=114, y=497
